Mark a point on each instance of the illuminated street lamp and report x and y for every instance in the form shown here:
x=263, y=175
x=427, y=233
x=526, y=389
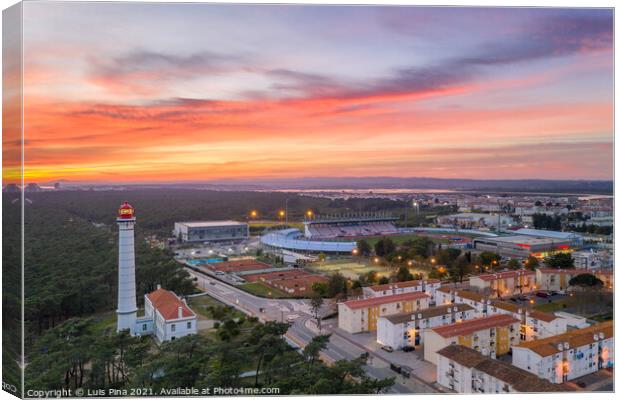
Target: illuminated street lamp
x=309, y=213
x=253, y=213
x=376, y=259
x=410, y=263
x=355, y=251
x=281, y=213
x=433, y=261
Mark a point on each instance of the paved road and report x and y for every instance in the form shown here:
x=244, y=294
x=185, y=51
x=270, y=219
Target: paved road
x=298, y=312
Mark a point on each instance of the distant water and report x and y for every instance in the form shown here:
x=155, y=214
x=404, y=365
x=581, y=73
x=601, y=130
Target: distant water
x=362, y=191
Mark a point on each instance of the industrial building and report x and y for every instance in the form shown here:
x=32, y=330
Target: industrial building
x=464, y=370
x=361, y=315
x=406, y=329
x=492, y=335
x=211, y=231
x=522, y=246
x=567, y=356
x=574, y=239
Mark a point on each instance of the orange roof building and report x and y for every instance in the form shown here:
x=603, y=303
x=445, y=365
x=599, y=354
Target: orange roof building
x=167, y=316
x=491, y=336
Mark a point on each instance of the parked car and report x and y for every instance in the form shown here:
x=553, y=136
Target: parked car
x=389, y=349
x=395, y=368
x=407, y=349
x=542, y=294
x=406, y=371
x=364, y=355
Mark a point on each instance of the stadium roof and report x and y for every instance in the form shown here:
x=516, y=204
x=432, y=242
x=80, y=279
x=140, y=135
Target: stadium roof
x=548, y=234
x=289, y=239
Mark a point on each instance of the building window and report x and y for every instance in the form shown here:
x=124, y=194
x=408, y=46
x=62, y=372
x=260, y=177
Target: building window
x=143, y=327
x=189, y=325
x=173, y=328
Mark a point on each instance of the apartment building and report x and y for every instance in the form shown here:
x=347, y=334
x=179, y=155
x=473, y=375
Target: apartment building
x=464, y=370
x=446, y=295
x=428, y=286
x=492, y=335
x=361, y=315
x=567, y=356
x=556, y=279
x=534, y=324
x=406, y=329
x=506, y=283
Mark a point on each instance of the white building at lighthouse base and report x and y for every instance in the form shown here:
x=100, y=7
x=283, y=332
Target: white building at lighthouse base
x=167, y=316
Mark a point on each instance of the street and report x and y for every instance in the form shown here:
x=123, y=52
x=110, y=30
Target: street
x=302, y=330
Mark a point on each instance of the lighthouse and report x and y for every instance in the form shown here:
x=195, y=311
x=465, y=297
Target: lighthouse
x=127, y=309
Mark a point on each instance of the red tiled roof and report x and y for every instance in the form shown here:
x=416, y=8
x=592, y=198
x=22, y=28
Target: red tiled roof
x=474, y=325
x=505, y=274
x=562, y=271
x=397, y=285
x=375, y=301
x=167, y=303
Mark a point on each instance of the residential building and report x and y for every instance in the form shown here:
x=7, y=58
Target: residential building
x=463, y=370
x=555, y=279
x=492, y=335
x=505, y=283
x=428, y=286
x=406, y=329
x=567, y=356
x=534, y=324
x=361, y=315
x=446, y=295
x=169, y=316
x=475, y=220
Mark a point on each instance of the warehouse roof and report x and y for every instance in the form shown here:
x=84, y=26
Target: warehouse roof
x=548, y=234
x=209, y=224
x=474, y=325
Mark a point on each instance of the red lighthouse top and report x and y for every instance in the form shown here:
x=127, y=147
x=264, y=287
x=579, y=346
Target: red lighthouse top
x=125, y=211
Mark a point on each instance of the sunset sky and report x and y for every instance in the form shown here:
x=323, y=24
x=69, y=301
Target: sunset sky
x=180, y=92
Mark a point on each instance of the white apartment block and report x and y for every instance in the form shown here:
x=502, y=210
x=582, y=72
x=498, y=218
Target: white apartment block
x=463, y=370
x=506, y=283
x=567, y=356
x=493, y=335
x=428, y=286
x=361, y=315
x=406, y=329
x=446, y=295
x=534, y=324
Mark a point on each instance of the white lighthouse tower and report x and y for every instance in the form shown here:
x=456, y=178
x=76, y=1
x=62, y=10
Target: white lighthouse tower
x=127, y=310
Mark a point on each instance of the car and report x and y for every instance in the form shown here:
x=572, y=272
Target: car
x=211, y=283
x=396, y=368
x=364, y=355
x=406, y=371
x=542, y=294
x=554, y=293
x=389, y=349
x=291, y=318
x=407, y=349
x=581, y=384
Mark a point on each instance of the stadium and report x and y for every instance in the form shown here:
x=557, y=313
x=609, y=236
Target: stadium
x=325, y=234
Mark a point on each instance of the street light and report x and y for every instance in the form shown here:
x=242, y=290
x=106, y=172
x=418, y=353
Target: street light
x=355, y=251
x=309, y=213
x=376, y=259
x=253, y=213
x=410, y=263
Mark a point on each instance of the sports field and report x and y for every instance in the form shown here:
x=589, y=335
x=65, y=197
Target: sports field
x=350, y=269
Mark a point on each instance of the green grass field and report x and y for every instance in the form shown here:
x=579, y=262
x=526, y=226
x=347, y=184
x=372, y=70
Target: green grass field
x=350, y=269
x=557, y=305
x=262, y=290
